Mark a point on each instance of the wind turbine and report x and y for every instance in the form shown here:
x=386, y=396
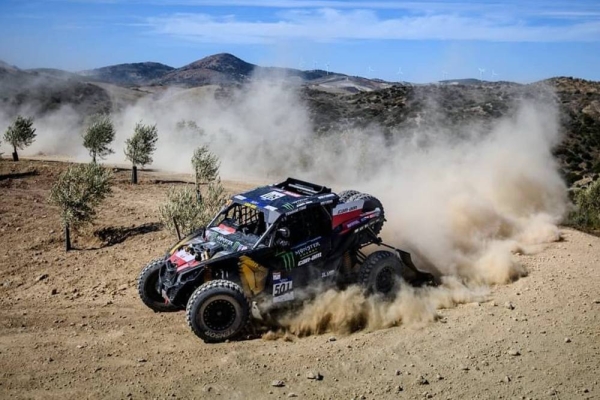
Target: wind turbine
x=327, y=68
x=369, y=70
x=399, y=71
x=444, y=75
x=494, y=74
x=315, y=65
x=481, y=71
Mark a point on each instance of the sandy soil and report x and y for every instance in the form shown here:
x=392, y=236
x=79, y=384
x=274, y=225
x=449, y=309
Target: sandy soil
x=71, y=324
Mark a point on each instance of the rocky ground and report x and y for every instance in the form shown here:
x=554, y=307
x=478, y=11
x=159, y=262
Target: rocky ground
x=71, y=325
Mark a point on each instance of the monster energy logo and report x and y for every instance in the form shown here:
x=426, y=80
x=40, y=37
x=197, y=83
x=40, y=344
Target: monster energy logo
x=288, y=206
x=288, y=260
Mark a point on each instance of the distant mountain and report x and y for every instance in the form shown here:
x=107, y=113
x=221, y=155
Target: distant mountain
x=225, y=69
x=7, y=67
x=216, y=69
x=56, y=73
x=136, y=74
x=41, y=92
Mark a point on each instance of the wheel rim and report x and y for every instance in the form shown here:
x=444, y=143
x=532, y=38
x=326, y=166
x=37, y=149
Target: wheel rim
x=219, y=314
x=384, y=282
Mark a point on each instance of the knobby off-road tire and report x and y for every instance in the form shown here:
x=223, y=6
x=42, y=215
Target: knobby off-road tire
x=371, y=203
x=380, y=272
x=346, y=194
x=218, y=310
x=146, y=286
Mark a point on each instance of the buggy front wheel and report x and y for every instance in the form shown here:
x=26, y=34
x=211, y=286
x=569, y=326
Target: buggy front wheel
x=217, y=311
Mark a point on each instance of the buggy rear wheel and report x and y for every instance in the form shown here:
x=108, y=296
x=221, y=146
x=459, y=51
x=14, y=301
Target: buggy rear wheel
x=148, y=290
x=217, y=311
x=379, y=272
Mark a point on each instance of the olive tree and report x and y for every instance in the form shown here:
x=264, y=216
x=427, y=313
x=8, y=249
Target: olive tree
x=20, y=135
x=98, y=136
x=139, y=147
x=77, y=192
x=182, y=213
x=206, y=167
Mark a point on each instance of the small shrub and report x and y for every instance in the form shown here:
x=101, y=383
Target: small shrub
x=587, y=208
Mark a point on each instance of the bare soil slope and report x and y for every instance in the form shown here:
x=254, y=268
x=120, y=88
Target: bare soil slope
x=71, y=325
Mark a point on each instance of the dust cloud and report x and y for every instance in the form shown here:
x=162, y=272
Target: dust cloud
x=462, y=200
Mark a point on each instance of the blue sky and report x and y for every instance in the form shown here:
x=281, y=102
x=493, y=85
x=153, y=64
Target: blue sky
x=419, y=41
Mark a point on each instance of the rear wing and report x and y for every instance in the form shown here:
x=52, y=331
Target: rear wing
x=300, y=187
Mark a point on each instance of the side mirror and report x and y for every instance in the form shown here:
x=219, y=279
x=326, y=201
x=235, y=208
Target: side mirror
x=283, y=232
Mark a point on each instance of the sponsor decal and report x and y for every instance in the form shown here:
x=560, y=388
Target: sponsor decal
x=344, y=210
x=287, y=206
x=307, y=249
x=239, y=197
x=250, y=205
x=326, y=274
x=272, y=196
x=271, y=208
x=292, y=194
x=308, y=252
x=223, y=229
x=224, y=241
x=276, y=276
x=309, y=259
x=288, y=259
x=283, y=290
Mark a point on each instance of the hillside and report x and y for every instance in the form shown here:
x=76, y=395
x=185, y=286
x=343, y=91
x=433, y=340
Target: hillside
x=135, y=74
x=42, y=92
x=401, y=110
x=335, y=101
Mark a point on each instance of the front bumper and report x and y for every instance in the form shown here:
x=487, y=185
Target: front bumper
x=177, y=286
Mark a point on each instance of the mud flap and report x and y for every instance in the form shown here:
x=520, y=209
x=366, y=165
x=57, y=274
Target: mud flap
x=421, y=277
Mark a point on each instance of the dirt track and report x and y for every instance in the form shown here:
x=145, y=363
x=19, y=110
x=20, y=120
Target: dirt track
x=93, y=338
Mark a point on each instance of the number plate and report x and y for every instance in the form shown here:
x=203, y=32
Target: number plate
x=283, y=291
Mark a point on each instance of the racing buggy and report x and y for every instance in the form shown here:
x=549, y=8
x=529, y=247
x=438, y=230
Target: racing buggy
x=270, y=247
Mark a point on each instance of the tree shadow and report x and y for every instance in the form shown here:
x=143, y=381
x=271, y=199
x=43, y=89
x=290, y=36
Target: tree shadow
x=112, y=235
x=17, y=175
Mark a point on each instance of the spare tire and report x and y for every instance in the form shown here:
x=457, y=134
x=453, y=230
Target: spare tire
x=346, y=194
x=371, y=203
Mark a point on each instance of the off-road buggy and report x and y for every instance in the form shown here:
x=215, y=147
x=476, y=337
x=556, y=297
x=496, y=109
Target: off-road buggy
x=270, y=247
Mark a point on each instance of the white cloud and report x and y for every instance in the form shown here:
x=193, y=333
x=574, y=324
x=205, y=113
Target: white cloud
x=327, y=24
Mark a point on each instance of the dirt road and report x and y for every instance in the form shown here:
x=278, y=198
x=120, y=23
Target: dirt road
x=71, y=325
